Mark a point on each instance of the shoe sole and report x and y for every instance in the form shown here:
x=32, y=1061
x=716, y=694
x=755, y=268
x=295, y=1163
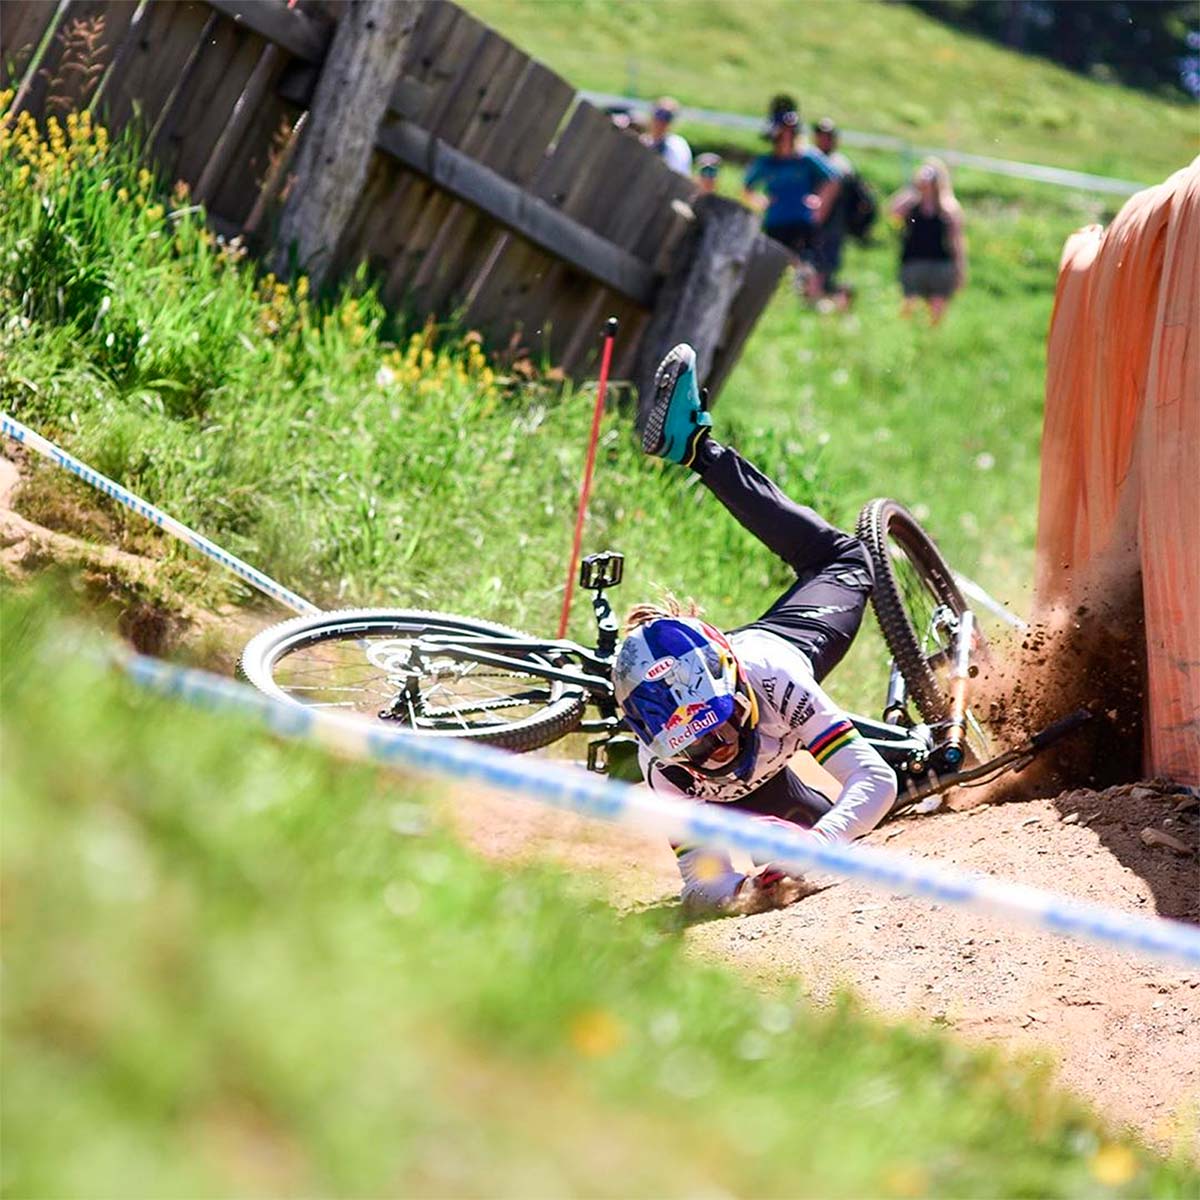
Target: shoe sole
x=664, y=388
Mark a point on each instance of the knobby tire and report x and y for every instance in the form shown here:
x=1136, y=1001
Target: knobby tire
x=881, y=523
x=265, y=657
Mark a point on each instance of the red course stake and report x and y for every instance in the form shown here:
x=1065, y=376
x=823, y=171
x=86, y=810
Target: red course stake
x=610, y=332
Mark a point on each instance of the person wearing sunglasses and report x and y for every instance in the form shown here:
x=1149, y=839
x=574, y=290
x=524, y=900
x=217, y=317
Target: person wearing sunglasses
x=708, y=167
x=671, y=147
x=719, y=715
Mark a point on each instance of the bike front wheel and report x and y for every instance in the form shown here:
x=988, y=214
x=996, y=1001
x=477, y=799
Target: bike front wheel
x=916, y=602
x=372, y=662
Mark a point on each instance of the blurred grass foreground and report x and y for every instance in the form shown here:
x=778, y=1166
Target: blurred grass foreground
x=237, y=968
x=233, y=967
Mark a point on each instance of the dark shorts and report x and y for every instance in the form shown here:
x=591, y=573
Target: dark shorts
x=827, y=250
x=799, y=238
x=928, y=277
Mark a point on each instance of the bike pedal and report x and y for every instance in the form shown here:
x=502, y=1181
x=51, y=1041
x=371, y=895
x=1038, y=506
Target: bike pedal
x=603, y=570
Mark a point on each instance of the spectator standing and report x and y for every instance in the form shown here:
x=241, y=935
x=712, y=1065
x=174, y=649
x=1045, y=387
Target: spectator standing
x=799, y=186
x=933, y=252
x=670, y=147
x=708, y=166
x=832, y=234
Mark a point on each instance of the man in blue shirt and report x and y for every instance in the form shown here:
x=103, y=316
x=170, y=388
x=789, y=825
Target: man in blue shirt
x=799, y=188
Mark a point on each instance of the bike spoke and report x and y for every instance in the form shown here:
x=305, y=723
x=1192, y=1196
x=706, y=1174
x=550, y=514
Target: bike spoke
x=417, y=687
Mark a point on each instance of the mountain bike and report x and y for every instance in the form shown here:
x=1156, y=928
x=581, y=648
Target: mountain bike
x=443, y=675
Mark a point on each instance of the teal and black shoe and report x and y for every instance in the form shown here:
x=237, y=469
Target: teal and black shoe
x=677, y=422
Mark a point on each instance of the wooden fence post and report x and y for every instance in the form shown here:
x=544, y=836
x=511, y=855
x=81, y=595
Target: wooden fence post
x=694, y=301
x=350, y=101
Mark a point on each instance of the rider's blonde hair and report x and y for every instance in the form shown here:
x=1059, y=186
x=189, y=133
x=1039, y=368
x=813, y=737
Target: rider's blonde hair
x=669, y=605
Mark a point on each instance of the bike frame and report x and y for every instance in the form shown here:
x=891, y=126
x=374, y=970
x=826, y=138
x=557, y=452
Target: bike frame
x=927, y=759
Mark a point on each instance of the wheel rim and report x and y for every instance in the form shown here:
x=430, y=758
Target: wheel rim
x=935, y=624
x=381, y=672
x=931, y=619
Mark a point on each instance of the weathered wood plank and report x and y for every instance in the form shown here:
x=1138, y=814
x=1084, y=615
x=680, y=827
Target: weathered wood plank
x=335, y=155
x=479, y=95
x=768, y=260
x=453, y=67
x=305, y=35
x=696, y=297
x=378, y=231
x=196, y=111
x=156, y=65
x=120, y=58
x=534, y=219
x=514, y=147
x=621, y=222
x=23, y=24
x=214, y=124
x=616, y=208
x=503, y=296
x=593, y=176
x=259, y=165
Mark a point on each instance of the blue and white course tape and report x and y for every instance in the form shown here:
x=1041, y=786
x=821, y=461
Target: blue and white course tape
x=673, y=819
x=609, y=800
x=22, y=434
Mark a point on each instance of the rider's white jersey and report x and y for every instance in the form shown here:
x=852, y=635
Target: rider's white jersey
x=795, y=714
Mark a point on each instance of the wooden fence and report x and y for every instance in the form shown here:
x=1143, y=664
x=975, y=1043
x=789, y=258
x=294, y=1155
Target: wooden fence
x=494, y=194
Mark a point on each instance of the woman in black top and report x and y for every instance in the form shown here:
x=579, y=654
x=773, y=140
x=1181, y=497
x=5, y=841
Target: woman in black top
x=933, y=255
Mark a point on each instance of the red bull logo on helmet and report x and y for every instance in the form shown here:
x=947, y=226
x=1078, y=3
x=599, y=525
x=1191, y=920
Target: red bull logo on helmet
x=683, y=714
x=691, y=731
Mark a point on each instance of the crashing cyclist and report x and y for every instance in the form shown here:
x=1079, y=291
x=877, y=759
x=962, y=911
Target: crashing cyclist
x=719, y=715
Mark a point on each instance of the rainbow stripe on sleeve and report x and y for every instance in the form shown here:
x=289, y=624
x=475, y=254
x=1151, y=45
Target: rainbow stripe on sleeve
x=827, y=744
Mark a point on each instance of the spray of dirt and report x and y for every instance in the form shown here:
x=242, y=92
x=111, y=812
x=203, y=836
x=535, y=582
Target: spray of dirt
x=1086, y=650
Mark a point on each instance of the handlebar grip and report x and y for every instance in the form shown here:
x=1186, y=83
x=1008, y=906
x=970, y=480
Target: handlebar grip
x=1060, y=728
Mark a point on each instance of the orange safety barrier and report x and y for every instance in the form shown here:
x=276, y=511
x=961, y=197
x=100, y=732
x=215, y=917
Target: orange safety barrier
x=1120, y=485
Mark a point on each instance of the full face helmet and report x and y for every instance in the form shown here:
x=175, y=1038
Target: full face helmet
x=686, y=697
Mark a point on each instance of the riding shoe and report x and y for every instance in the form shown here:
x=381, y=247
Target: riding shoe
x=677, y=423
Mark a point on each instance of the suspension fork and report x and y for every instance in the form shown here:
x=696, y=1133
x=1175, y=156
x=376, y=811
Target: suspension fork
x=960, y=674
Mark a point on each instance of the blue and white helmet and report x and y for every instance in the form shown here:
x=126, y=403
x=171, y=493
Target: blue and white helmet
x=677, y=680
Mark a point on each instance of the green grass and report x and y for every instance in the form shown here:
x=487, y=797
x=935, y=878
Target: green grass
x=228, y=969
x=234, y=967
x=360, y=464
x=876, y=67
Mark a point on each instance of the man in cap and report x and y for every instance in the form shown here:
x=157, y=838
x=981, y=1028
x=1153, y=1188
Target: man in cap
x=670, y=147
x=707, y=168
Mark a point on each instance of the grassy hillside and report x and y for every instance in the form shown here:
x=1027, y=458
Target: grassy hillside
x=237, y=968
x=877, y=67
x=360, y=462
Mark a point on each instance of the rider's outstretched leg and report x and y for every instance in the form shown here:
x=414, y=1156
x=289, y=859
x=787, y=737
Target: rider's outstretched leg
x=822, y=611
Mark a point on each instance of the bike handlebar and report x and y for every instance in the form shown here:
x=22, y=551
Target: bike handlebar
x=1059, y=729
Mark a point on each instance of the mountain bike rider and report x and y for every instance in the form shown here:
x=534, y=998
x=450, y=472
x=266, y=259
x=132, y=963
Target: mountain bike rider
x=719, y=714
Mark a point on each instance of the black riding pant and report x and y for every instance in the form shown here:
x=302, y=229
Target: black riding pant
x=819, y=614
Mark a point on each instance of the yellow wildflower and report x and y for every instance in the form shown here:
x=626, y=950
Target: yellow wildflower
x=1114, y=1165
x=596, y=1033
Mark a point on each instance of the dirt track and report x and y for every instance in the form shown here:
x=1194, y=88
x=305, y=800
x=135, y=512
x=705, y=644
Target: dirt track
x=1125, y=1032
